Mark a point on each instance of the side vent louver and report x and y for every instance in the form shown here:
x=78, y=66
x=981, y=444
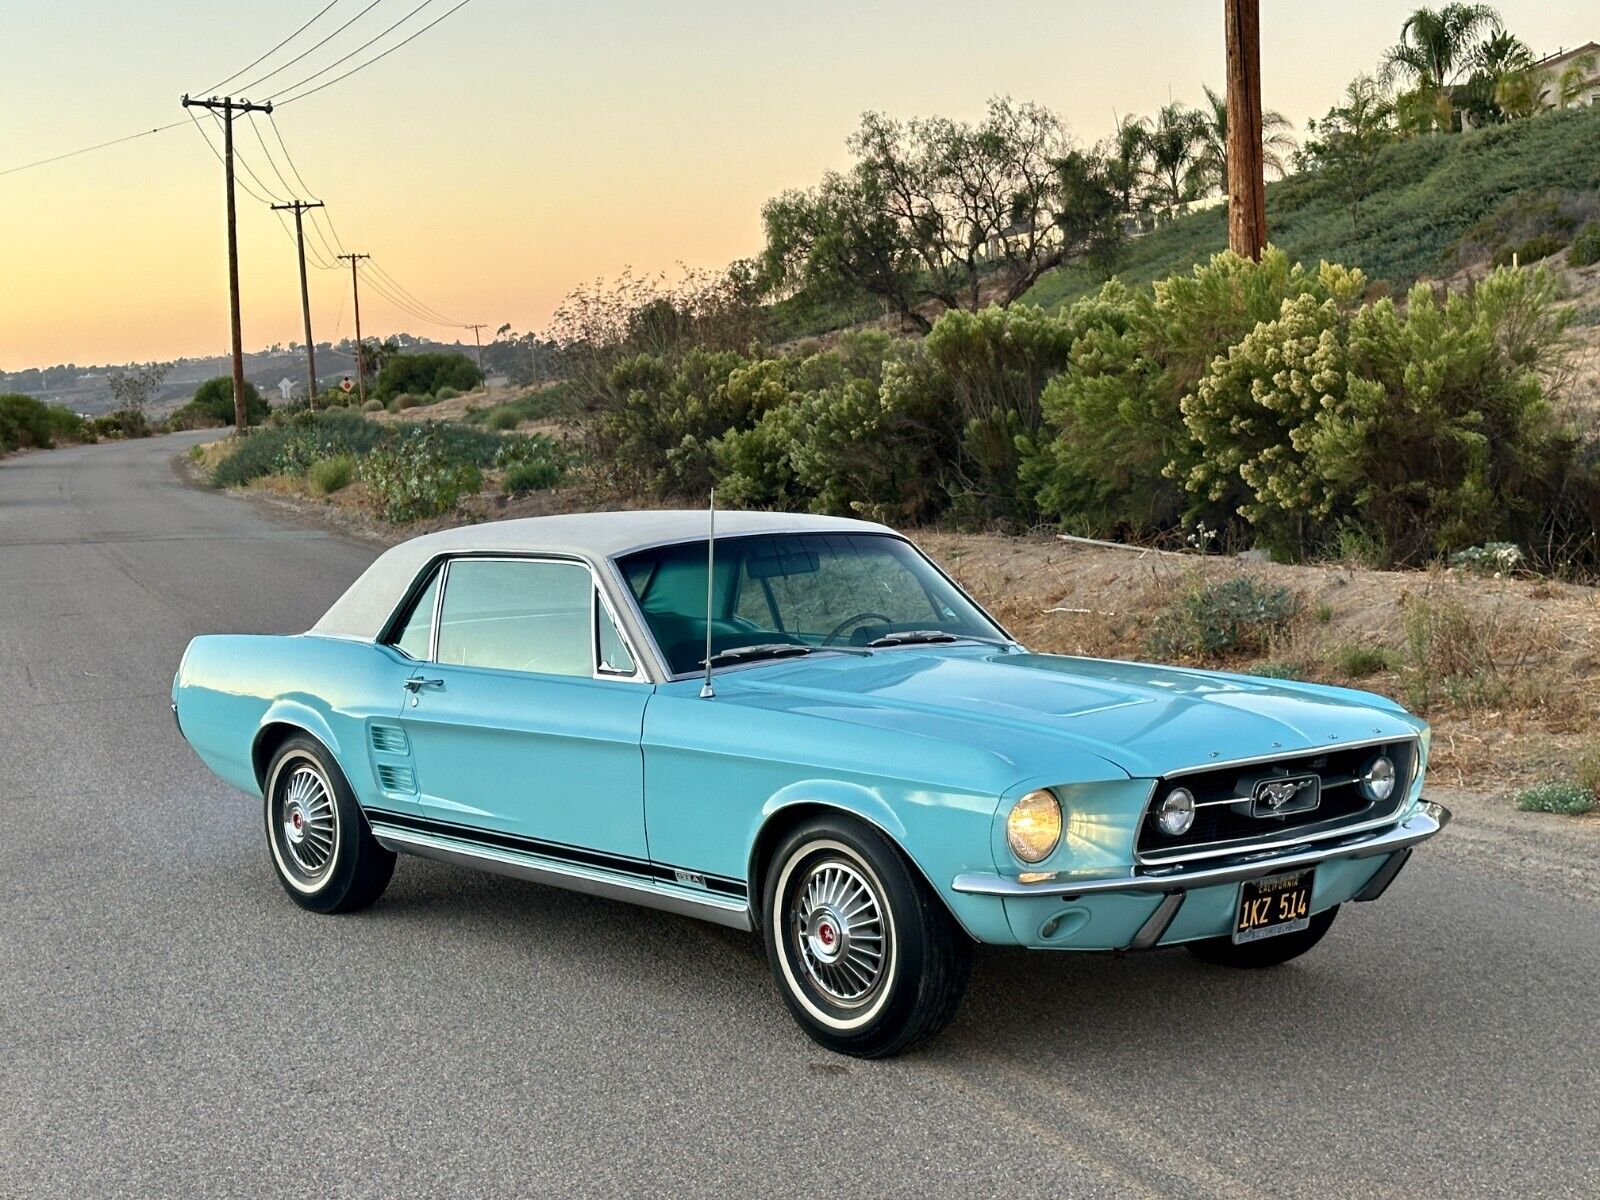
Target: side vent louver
x=396, y=779
x=389, y=739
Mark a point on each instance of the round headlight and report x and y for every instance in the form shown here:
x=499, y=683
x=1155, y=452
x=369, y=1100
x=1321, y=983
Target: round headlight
x=1378, y=781
x=1034, y=826
x=1175, y=814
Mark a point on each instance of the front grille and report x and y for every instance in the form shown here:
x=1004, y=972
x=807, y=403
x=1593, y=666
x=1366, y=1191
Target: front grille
x=1225, y=816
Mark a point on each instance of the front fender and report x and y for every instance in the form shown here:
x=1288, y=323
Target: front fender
x=934, y=832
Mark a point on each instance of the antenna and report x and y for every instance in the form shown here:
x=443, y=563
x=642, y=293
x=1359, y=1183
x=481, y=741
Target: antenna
x=706, y=690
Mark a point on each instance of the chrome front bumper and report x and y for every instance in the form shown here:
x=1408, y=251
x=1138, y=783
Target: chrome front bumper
x=1419, y=827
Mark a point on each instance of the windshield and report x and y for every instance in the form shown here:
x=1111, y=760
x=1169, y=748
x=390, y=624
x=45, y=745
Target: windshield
x=811, y=590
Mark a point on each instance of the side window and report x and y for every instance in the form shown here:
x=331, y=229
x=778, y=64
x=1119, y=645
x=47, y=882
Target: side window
x=415, y=632
x=517, y=616
x=614, y=656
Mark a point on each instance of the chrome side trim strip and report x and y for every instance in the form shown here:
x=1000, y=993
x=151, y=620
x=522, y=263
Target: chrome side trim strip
x=734, y=914
x=1422, y=825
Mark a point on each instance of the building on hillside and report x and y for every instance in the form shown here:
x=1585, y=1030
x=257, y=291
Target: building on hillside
x=1576, y=73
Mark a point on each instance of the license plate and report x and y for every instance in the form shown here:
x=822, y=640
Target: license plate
x=1274, y=905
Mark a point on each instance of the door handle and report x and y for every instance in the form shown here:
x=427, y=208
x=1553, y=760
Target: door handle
x=416, y=684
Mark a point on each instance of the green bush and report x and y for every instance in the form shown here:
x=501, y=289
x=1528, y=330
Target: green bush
x=1540, y=246
x=502, y=418
x=292, y=449
x=1563, y=799
x=995, y=363
x=1586, y=246
x=530, y=477
x=1114, y=454
x=425, y=374
x=1214, y=619
x=447, y=393
x=372, y=406
x=1423, y=429
x=1357, y=662
x=29, y=422
x=404, y=401
x=213, y=402
x=330, y=474
x=416, y=473
x=122, y=423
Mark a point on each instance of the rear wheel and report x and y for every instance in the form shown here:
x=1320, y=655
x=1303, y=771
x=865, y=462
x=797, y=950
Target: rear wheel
x=1268, y=952
x=324, y=853
x=868, y=959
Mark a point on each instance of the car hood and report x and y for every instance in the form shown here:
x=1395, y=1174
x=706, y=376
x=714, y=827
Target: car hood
x=1145, y=720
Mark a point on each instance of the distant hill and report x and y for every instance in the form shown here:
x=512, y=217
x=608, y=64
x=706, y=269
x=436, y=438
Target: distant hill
x=84, y=390
x=1429, y=193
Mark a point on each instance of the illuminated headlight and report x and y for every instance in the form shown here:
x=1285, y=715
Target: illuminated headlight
x=1176, y=812
x=1378, y=781
x=1034, y=826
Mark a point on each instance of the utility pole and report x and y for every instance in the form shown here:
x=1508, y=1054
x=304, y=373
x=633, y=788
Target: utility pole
x=1247, y=188
x=361, y=370
x=479, y=343
x=299, y=207
x=228, y=106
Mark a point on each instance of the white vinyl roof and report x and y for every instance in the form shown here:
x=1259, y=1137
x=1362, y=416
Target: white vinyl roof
x=596, y=537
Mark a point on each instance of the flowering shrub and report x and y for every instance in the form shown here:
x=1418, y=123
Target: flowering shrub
x=1494, y=558
x=412, y=475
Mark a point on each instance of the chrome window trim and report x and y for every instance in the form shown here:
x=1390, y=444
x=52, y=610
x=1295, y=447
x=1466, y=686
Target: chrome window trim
x=597, y=597
x=637, y=613
x=1246, y=846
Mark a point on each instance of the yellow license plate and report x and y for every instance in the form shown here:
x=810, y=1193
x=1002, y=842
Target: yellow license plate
x=1273, y=905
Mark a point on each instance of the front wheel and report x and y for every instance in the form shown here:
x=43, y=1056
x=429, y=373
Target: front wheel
x=1268, y=952
x=868, y=959
x=324, y=853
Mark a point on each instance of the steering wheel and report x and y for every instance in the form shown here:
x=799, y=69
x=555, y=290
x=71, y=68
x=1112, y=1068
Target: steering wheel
x=851, y=623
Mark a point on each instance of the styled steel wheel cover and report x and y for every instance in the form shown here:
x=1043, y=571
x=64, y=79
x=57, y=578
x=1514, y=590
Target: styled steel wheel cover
x=303, y=822
x=836, y=935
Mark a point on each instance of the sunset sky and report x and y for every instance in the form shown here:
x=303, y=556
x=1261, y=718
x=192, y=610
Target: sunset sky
x=519, y=149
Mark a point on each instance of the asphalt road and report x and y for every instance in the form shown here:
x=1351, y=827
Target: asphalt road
x=171, y=1025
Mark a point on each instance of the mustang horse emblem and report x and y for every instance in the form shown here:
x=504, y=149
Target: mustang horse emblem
x=1278, y=792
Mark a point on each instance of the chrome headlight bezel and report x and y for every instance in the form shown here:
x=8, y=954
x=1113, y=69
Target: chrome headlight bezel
x=1379, y=780
x=1034, y=825
x=1178, y=804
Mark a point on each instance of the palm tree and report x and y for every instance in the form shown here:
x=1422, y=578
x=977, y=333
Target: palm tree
x=1210, y=169
x=1577, y=79
x=1170, y=145
x=1124, y=155
x=1503, y=84
x=1435, y=47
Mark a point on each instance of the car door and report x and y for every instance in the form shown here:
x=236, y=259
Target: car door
x=524, y=717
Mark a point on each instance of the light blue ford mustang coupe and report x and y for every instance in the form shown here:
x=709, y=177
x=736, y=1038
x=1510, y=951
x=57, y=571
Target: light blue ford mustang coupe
x=799, y=725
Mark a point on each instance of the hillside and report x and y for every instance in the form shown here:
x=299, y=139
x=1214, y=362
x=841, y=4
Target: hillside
x=1428, y=194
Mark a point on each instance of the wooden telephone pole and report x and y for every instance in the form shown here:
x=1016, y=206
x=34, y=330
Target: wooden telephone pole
x=361, y=370
x=299, y=207
x=1247, y=187
x=228, y=107
x=477, y=341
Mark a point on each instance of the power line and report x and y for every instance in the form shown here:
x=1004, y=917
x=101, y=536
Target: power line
x=284, y=66
x=363, y=66
x=206, y=138
x=274, y=50
x=317, y=214
x=88, y=149
x=248, y=170
x=377, y=285
x=271, y=162
x=376, y=38
x=388, y=277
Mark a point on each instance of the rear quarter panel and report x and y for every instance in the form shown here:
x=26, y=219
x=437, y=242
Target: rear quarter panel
x=230, y=687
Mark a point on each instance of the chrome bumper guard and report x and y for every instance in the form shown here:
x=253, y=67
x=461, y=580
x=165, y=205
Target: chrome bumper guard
x=1428, y=819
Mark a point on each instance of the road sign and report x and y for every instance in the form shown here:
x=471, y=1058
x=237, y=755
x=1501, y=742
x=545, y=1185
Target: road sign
x=345, y=385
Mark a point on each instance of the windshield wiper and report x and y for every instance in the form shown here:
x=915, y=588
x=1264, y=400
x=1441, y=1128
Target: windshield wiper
x=907, y=637
x=738, y=654
x=923, y=637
